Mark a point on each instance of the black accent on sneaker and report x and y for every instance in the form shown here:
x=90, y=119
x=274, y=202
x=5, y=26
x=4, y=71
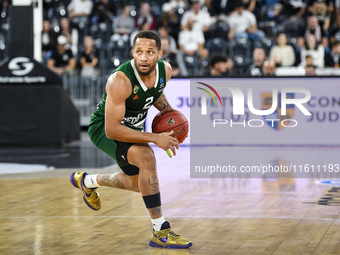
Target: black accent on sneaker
x=165, y=225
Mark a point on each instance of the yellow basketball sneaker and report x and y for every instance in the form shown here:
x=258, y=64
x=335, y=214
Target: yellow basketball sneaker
x=91, y=196
x=166, y=238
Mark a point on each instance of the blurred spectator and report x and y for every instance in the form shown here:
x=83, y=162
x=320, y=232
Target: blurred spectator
x=145, y=16
x=174, y=4
x=123, y=25
x=259, y=56
x=48, y=39
x=282, y=54
x=314, y=28
x=310, y=70
x=71, y=35
x=220, y=66
x=89, y=58
x=62, y=60
x=309, y=60
x=332, y=59
x=144, y=26
x=292, y=12
x=176, y=72
x=207, y=6
x=192, y=41
x=223, y=8
x=103, y=12
x=164, y=33
x=174, y=58
x=5, y=11
x=330, y=4
x=202, y=19
x=313, y=49
x=321, y=13
x=335, y=30
x=173, y=11
x=249, y=5
x=270, y=9
x=268, y=68
x=243, y=24
x=79, y=11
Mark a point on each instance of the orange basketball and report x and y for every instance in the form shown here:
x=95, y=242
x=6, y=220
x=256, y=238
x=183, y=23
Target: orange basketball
x=171, y=119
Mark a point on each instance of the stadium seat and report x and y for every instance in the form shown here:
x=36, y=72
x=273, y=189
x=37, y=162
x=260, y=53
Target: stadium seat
x=265, y=43
x=219, y=29
x=101, y=30
x=156, y=9
x=292, y=29
x=216, y=46
x=240, y=51
x=269, y=28
x=3, y=48
x=192, y=65
x=116, y=53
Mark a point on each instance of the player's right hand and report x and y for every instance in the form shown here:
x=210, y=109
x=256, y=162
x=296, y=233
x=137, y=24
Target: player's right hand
x=165, y=141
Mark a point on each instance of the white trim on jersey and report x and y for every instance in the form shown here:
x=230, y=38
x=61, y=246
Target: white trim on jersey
x=138, y=77
x=139, y=124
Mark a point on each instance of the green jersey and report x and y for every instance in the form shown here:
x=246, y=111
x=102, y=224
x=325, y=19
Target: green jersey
x=141, y=98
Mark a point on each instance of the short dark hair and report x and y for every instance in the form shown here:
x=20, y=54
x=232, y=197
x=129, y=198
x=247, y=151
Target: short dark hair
x=192, y=2
x=148, y=34
x=238, y=4
x=336, y=43
x=216, y=59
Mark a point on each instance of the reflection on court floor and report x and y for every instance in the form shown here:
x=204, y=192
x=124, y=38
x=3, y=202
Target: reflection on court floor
x=41, y=213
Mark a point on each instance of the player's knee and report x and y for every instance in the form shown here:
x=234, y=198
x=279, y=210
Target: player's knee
x=147, y=155
x=142, y=156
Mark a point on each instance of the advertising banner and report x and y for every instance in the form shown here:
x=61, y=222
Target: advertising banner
x=260, y=128
x=312, y=111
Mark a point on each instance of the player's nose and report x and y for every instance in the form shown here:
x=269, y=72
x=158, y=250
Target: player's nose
x=143, y=57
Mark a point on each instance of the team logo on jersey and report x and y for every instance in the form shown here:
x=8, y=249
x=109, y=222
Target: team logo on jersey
x=161, y=81
x=135, y=90
x=136, y=97
x=170, y=121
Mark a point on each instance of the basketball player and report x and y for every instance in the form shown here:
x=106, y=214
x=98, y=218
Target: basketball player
x=117, y=126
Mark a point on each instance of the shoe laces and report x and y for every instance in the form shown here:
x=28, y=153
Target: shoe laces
x=172, y=233
x=95, y=194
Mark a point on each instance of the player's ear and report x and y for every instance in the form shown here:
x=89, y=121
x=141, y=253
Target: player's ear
x=160, y=54
x=132, y=52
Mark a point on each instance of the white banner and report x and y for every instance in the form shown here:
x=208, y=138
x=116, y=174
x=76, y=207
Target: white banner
x=220, y=127
x=295, y=128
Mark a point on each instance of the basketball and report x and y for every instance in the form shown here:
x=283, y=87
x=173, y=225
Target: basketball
x=171, y=119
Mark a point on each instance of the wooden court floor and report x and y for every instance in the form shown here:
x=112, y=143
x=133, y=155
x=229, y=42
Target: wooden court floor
x=41, y=213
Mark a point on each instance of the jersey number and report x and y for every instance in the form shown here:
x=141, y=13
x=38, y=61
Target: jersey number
x=148, y=103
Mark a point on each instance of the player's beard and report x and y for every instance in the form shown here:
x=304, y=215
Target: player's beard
x=146, y=73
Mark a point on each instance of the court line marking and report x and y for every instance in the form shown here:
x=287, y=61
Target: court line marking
x=173, y=217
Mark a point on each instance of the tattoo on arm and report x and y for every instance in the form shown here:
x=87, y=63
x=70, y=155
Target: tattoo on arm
x=153, y=183
x=111, y=181
x=162, y=103
x=156, y=211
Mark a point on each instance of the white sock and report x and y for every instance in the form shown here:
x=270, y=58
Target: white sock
x=90, y=181
x=157, y=223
